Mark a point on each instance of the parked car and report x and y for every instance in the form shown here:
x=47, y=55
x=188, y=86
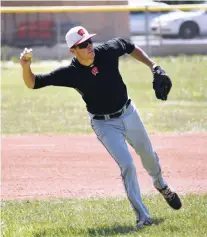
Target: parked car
x=181, y=24
x=137, y=20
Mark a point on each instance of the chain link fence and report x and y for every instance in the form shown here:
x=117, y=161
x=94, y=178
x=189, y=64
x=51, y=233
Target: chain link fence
x=158, y=32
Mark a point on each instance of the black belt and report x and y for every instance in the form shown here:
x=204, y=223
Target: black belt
x=115, y=115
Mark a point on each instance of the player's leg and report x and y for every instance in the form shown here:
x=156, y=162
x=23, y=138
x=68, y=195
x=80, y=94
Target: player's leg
x=139, y=140
x=110, y=134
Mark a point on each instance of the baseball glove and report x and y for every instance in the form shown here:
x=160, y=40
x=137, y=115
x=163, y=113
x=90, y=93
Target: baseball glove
x=161, y=83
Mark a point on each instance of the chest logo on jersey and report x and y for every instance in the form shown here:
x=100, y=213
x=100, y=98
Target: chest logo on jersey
x=94, y=71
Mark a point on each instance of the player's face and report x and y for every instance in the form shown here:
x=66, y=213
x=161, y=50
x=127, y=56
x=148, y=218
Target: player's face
x=85, y=50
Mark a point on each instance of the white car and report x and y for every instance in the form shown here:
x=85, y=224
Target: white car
x=181, y=24
x=137, y=20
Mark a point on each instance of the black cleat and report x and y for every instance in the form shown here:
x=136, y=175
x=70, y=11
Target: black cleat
x=141, y=224
x=171, y=197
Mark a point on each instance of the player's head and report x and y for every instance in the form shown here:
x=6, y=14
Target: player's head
x=79, y=42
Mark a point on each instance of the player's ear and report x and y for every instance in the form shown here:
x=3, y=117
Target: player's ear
x=72, y=50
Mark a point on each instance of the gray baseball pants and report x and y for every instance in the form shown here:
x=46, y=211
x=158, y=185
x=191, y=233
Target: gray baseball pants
x=113, y=133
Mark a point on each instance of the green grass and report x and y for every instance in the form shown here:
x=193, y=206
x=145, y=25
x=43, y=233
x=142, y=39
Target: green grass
x=102, y=217
x=61, y=110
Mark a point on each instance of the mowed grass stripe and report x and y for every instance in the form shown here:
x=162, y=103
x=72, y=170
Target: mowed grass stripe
x=102, y=217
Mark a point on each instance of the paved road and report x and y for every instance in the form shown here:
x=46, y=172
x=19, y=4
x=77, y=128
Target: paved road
x=157, y=41
x=141, y=40
x=155, y=47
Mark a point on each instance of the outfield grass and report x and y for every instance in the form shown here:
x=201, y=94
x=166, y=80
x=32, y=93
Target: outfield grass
x=102, y=217
x=61, y=110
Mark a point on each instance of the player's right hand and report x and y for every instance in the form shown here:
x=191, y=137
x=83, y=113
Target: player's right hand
x=25, y=57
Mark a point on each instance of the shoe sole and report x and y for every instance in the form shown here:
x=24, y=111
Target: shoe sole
x=141, y=224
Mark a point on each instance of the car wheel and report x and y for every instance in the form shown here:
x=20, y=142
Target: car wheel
x=188, y=30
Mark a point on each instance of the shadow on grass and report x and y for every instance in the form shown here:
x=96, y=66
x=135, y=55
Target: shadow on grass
x=157, y=221
x=112, y=230
x=118, y=229
x=98, y=231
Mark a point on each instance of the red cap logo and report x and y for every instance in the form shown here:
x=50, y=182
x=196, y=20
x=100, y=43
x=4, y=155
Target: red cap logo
x=81, y=32
x=94, y=71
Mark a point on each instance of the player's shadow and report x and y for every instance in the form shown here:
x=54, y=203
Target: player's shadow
x=115, y=229
x=118, y=229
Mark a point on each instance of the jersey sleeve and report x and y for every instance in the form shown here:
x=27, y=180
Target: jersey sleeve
x=63, y=76
x=119, y=47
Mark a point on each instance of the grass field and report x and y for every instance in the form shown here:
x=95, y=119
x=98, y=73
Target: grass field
x=102, y=217
x=61, y=110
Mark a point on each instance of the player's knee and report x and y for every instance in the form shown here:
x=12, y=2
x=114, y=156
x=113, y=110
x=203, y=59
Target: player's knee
x=146, y=151
x=150, y=162
x=128, y=168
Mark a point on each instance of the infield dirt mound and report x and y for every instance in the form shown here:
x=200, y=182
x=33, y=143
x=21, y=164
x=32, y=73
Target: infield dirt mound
x=35, y=166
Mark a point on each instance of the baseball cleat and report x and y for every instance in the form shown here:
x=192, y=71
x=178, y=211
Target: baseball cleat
x=171, y=197
x=141, y=224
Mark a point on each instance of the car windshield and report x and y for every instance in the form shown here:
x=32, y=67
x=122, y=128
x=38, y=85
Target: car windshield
x=201, y=10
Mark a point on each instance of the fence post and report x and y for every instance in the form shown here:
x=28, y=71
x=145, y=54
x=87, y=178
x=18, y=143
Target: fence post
x=160, y=36
x=58, y=30
x=148, y=48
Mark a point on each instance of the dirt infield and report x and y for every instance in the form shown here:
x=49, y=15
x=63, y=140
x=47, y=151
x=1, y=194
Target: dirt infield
x=78, y=166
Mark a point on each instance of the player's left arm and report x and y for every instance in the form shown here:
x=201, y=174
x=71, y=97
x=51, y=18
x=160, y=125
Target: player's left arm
x=141, y=56
x=161, y=81
x=123, y=46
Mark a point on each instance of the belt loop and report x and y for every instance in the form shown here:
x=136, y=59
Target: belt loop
x=106, y=117
x=125, y=108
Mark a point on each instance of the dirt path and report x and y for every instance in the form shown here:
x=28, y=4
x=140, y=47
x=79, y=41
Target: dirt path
x=78, y=166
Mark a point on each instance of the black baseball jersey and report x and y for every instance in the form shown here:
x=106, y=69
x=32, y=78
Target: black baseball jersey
x=100, y=84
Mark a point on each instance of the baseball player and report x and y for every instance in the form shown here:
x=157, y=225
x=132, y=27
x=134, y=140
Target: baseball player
x=94, y=73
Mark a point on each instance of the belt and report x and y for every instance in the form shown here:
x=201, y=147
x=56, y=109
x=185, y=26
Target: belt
x=115, y=115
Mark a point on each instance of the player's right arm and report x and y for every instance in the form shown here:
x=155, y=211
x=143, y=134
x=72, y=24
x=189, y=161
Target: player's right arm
x=63, y=76
x=25, y=61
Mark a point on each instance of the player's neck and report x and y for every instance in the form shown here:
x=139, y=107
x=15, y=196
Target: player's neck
x=87, y=62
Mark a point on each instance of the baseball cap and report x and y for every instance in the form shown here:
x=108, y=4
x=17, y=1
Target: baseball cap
x=77, y=35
